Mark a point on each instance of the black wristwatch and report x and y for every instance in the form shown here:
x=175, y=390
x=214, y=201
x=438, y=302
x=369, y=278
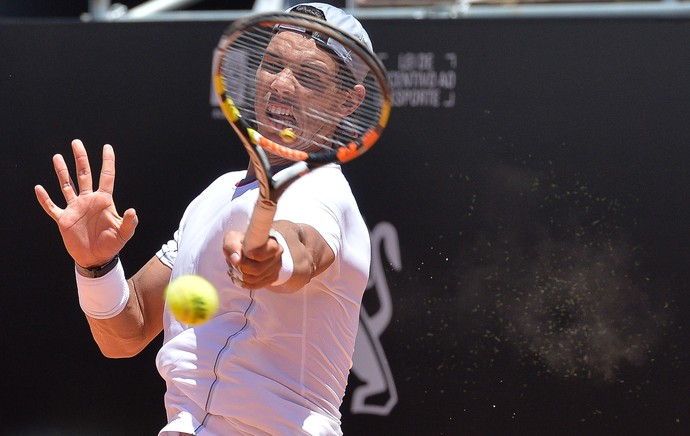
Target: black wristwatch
x=98, y=271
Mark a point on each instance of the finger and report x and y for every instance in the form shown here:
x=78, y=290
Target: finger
x=129, y=224
x=106, y=182
x=251, y=281
x=46, y=203
x=235, y=273
x=236, y=277
x=265, y=252
x=261, y=269
x=232, y=248
x=66, y=183
x=83, y=167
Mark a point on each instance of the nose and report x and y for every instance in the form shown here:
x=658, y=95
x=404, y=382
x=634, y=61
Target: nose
x=284, y=82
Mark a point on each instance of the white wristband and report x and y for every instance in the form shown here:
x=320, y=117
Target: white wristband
x=103, y=297
x=287, y=266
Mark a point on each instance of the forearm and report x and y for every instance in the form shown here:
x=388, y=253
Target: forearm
x=130, y=330
x=123, y=334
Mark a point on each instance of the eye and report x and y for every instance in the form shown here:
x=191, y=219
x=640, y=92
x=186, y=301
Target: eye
x=272, y=66
x=313, y=79
x=309, y=80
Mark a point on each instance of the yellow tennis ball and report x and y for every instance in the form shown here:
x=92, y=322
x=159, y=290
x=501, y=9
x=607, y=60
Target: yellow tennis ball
x=192, y=299
x=287, y=135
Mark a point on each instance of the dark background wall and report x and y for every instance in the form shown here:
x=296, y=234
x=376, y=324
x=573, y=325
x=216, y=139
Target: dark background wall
x=535, y=171
x=72, y=9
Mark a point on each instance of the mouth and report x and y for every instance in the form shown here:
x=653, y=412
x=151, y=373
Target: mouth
x=281, y=115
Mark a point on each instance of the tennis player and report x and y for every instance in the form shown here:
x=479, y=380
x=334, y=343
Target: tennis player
x=275, y=358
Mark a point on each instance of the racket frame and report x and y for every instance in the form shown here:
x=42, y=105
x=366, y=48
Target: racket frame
x=271, y=186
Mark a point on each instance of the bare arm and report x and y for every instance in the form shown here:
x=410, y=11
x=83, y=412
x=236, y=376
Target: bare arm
x=93, y=233
x=311, y=255
x=127, y=333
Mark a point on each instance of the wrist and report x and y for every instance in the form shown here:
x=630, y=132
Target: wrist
x=97, y=271
x=286, y=265
x=104, y=296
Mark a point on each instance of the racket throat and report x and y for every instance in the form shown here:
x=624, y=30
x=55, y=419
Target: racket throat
x=284, y=178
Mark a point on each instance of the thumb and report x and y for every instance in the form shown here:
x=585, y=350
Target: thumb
x=235, y=258
x=129, y=224
x=232, y=248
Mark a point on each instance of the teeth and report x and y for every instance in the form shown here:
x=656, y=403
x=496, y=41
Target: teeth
x=278, y=110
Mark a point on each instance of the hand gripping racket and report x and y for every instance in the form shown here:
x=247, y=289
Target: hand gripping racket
x=297, y=91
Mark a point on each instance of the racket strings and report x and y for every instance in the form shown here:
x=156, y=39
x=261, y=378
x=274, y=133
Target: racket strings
x=317, y=124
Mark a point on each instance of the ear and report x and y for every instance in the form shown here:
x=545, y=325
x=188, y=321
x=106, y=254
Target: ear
x=354, y=98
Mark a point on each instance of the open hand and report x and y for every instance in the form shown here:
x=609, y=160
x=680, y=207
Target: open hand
x=91, y=228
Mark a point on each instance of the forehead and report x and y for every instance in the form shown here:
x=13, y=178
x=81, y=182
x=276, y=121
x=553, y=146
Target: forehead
x=298, y=46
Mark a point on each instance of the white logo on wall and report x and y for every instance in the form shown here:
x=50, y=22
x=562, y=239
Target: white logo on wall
x=369, y=360
x=422, y=79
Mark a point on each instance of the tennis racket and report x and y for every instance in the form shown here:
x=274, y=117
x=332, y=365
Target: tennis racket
x=298, y=92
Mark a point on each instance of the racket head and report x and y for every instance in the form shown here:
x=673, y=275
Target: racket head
x=300, y=89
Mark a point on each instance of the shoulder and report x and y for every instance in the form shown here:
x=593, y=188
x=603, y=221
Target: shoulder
x=227, y=179
x=328, y=180
x=325, y=188
x=221, y=188
x=221, y=185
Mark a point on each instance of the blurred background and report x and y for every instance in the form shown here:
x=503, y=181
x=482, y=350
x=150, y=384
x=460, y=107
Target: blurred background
x=107, y=10
x=74, y=9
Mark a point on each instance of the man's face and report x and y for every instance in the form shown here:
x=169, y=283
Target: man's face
x=296, y=90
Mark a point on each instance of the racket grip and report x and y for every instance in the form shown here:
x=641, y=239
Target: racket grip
x=260, y=224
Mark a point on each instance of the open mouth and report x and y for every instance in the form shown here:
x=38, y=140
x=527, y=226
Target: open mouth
x=282, y=117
